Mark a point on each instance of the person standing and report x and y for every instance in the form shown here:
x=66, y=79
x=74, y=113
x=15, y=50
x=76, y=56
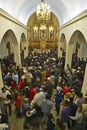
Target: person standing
x=58, y=99
x=18, y=104
x=5, y=96
x=50, y=122
x=65, y=113
x=46, y=107
x=78, y=118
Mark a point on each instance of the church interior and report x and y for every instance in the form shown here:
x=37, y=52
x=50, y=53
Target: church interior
x=43, y=48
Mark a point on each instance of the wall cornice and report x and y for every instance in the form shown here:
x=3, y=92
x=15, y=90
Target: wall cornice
x=11, y=18
x=75, y=19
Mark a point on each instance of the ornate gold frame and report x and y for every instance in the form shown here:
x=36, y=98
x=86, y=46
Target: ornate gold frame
x=51, y=34
x=35, y=33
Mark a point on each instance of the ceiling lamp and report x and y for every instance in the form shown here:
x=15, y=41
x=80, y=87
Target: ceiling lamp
x=43, y=11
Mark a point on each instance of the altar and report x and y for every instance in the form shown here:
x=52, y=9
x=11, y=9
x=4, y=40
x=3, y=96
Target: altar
x=43, y=45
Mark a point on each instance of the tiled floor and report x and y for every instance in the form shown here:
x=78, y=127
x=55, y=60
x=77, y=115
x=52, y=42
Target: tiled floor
x=17, y=123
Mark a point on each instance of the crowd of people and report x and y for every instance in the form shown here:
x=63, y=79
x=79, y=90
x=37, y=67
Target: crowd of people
x=30, y=90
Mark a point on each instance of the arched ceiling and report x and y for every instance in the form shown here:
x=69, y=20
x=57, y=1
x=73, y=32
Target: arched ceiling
x=65, y=10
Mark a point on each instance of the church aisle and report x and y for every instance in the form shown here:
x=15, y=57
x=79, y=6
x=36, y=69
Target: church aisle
x=17, y=123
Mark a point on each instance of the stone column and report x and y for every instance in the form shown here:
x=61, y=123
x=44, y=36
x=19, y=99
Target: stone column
x=17, y=55
x=26, y=50
x=68, y=57
x=1, y=81
x=59, y=50
x=84, y=86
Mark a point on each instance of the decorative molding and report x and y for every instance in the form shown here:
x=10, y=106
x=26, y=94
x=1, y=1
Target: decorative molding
x=11, y=18
x=75, y=19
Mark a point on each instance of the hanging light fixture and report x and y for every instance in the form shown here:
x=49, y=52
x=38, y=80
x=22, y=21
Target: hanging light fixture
x=43, y=11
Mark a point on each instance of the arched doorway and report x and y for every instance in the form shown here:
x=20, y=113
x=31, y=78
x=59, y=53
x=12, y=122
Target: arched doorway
x=9, y=45
x=63, y=45
x=78, y=47
x=23, y=48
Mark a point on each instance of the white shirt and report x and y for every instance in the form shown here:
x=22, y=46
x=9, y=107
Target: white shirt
x=38, y=98
x=4, y=95
x=78, y=117
x=16, y=78
x=3, y=126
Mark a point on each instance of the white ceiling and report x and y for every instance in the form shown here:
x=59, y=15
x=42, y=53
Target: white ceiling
x=63, y=9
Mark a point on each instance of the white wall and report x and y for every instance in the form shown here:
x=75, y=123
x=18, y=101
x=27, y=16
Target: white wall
x=7, y=22
x=78, y=23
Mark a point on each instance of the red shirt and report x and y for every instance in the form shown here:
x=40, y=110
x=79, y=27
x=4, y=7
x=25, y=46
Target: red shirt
x=13, y=84
x=21, y=85
x=32, y=93
x=18, y=102
x=66, y=89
